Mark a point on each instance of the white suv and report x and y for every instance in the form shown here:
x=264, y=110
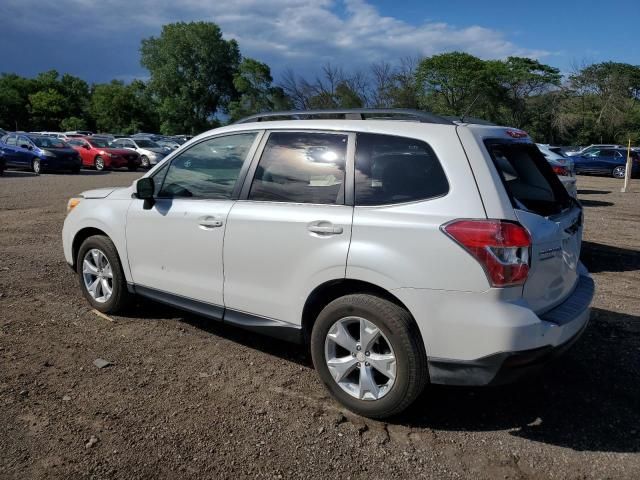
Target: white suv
x=405, y=249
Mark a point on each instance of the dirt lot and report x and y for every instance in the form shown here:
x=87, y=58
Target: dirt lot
x=186, y=398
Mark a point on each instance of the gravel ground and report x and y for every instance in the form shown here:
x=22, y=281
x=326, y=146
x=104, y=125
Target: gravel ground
x=187, y=398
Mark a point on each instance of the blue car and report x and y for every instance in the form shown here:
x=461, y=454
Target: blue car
x=607, y=161
x=38, y=153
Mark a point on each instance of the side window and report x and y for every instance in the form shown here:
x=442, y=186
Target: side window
x=392, y=169
x=301, y=167
x=158, y=179
x=209, y=169
x=11, y=140
x=23, y=141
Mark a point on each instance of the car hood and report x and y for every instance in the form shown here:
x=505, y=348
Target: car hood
x=99, y=192
x=59, y=151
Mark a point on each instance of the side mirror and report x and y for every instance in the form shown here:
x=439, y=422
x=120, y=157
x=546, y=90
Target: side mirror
x=24, y=145
x=145, y=188
x=87, y=147
x=144, y=191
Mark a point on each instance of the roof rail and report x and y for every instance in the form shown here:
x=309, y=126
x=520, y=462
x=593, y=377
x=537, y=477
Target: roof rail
x=351, y=114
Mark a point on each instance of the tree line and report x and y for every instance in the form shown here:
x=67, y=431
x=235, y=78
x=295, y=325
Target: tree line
x=198, y=80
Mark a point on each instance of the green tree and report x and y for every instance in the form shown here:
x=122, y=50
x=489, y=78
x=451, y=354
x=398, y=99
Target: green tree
x=515, y=81
x=192, y=69
x=14, y=101
x=253, y=83
x=450, y=83
x=121, y=108
x=73, y=123
x=603, y=103
x=47, y=108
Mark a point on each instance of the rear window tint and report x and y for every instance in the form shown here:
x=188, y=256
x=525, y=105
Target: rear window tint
x=528, y=178
x=390, y=169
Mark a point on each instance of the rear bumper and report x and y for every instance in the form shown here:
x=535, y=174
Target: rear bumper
x=568, y=321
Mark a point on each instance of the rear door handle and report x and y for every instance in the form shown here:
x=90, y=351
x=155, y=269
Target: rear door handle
x=325, y=229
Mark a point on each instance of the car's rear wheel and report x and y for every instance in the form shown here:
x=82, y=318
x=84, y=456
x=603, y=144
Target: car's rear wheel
x=144, y=161
x=619, y=172
x=369, y=354
x=98, y=163
x=101, y=277
x=35, y=166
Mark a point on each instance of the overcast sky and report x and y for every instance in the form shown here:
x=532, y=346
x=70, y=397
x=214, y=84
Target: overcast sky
x=100, y=40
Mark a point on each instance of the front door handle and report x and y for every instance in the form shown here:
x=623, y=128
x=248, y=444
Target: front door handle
x=207, y=223
x=325, y=229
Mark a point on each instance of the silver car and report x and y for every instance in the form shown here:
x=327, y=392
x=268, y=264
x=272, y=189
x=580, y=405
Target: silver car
x=150, y=152
x=402, y=248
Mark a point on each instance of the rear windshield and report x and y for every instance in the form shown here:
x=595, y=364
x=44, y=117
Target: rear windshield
x=528, y=178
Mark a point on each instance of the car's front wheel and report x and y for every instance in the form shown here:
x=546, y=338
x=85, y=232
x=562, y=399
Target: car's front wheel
x=101, y=277
x=144, y=161
x=369, y=354
x=35, y=166
x=99, y=163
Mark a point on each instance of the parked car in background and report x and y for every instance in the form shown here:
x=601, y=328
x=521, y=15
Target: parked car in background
x=405, y=252
x=168, y=144
x=38, y=153
x=3, y=163
x=84, y=133
x=562, y=166
x=591, y=148
x=98, y=153
x=150, y=152
x=607, y=161
x=2, y=132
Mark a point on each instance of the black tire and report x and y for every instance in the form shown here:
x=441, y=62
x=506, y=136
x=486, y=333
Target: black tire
x=98, y=163
x=35, y=166
x=402, y=333
x=120, y=297
x=144, y=161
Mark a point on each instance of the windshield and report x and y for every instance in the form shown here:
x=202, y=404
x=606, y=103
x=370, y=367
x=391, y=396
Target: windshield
x=99, y=142
x=147, y=144
x=528, y=178
x=48, y=142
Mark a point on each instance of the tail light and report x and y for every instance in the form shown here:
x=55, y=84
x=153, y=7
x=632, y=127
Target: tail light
x=562, y=171
x=501, y=247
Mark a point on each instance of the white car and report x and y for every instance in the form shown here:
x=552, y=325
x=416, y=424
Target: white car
x=150, y=152
x=562, y=166
x=402, y=252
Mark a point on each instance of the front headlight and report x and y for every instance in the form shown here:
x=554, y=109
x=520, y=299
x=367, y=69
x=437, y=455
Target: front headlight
x=73, y=203
x=46, y=153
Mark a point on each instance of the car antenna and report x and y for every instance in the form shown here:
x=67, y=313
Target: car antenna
x=468, y=109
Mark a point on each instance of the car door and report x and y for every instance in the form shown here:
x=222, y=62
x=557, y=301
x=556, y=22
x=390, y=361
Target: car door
x=24, y=151
x=10, y=150
x=607, y=160
x=174, y=246
x=290, y=230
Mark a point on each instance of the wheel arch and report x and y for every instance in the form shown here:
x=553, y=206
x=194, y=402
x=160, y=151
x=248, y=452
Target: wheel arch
x=80, y=237
x=328, y=291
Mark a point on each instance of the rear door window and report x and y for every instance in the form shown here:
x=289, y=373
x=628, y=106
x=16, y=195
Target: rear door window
x=301, y=167
x=528, y=178
x=390, y=169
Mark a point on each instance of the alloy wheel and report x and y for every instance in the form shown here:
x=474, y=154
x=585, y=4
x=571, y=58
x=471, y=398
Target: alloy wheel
x=619, y=172
x=360, y=358
x=97, y=275
x=35, y=166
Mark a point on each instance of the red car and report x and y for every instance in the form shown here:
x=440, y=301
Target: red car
x=96, y=153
